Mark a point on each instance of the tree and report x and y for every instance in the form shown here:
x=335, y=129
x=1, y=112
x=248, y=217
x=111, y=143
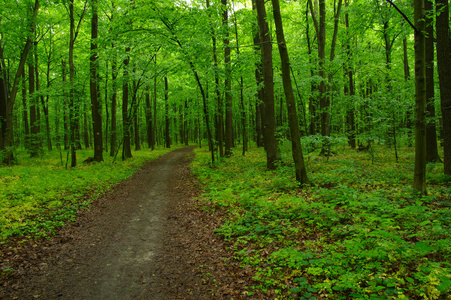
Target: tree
x=272, y=151
x=296, y=147
x=444, y=73
x=94, y=88
x=419, y=183
x=8, y=97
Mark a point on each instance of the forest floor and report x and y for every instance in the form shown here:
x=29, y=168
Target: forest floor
x=147, y=238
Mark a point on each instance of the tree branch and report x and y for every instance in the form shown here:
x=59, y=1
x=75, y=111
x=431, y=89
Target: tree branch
x=403, y=15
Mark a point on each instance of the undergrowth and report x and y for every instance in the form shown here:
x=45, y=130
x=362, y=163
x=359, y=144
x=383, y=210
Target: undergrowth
x=38, y=195
x=358, y=232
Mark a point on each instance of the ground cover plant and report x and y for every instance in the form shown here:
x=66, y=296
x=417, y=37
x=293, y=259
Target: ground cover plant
x=358, y=231
x=41, y=194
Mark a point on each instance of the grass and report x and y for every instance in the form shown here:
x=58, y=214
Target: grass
x=38, y=195
x=357, y=232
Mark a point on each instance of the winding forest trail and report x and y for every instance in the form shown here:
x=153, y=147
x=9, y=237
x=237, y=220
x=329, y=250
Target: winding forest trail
x=145, y=239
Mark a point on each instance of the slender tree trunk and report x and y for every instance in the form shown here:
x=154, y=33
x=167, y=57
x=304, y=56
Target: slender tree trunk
x=148, y=118
x=113, y=129
x=272, y=151
x=227, y=83
x=259, y=80
x=65, y=108
x=86, y=138
x=219, y=117
x=419, y=183
x=167, y=136
x=431, y=131
x=126, y=145
x=324, y=105
x=25, y=114
x=96, y=108
x=34, y=140
x=154, y=132
x=407, y=78
x=43, y=103
x=185, y=120
x=444, y=73
x=296, y=147
x=350, y=89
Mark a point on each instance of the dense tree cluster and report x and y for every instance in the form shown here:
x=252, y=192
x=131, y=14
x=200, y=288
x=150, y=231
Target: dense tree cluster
x=177, y=71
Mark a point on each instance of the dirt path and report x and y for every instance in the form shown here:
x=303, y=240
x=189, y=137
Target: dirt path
x=145, y=239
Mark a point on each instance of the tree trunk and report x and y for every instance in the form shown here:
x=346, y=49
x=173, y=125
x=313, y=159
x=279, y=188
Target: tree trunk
x=323, y=101
x=65, y=108
x=349, y=89
x=149, y=129
x=444, y=74
x=259, y=80
x=25, y=114
x=96, y=108
x=419, y=183
x=126, y=122
x=272, y=151
x=220, y=111
x=296, y=147
x=227, y=83
x=34, y=139
x=167, y=136
x=407, y=78
x=113, y=126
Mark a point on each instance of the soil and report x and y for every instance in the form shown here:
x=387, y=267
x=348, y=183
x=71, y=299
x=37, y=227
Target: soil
x=147, y=238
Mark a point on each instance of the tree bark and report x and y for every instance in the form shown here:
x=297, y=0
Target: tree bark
x=272, y=151
x=94, y=88
x=167, y=136
x=323, y=101
x=296, y=147
x=34, y=140
x=419, y=183
x=227, y=83
x=25, y=114
x=349, y=89
x=126, y=122
x=444, y=74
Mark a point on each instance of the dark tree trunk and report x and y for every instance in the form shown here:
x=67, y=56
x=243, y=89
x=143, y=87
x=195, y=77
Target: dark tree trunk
x=259, y=80
x=272, y=151
x=126, y=122
x=154, y=131
x=113, y=126
x=86, y=139
x=167, y=135
x=219, y=117
x=65, y=109
x=349, y=89
x=419, y=183
x=25, y=114
x=409, y=124
x=227, y=84
x=148, y=118
x=96, y=108
x=431, y=131
x=444, y=74
x=296, y=147
x=34, y=131
x=323, y=102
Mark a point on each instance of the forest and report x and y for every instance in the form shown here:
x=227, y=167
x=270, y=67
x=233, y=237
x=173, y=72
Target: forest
x=324, y=128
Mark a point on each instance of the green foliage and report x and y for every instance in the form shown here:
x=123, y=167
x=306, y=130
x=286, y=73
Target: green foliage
x=39, y=195
x=358, y=232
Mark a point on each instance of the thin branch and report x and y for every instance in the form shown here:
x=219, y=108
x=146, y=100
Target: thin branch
x=403, y=15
